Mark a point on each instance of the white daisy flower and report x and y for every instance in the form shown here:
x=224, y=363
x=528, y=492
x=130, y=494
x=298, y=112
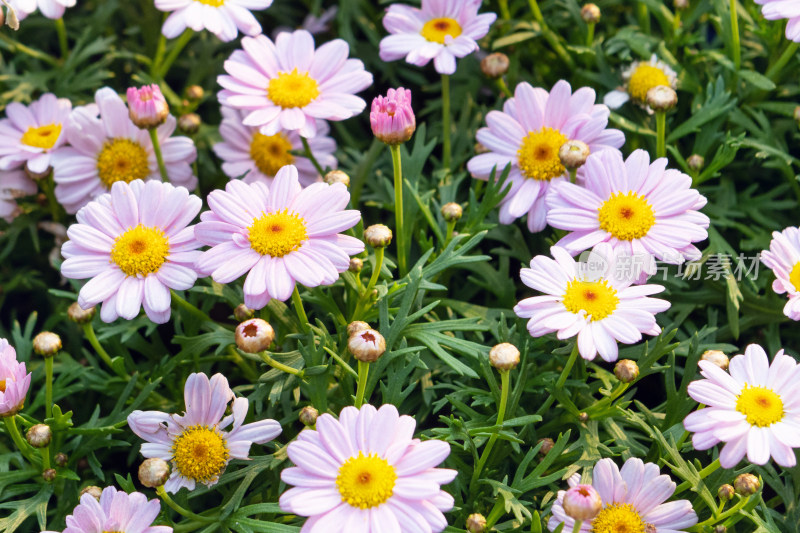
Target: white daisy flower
x=31, y=133
x=783, y=257
x=52, y=9
x=223, y=18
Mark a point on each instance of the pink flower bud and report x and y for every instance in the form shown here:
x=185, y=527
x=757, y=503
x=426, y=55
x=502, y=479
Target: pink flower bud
x=392, y=117
x=582, y=502
x=147, y=107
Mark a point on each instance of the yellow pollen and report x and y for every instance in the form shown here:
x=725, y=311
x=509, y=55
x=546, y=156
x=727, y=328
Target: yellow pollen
x=122, y=160
x=762, y=406
x=140, y=250
x=277, y=234
x=292, y=89
x=43, y=137
x=436, y=30
x=2, y=385
x=366, y=481
x=271, y=152
x=645, y=78
x=212, y=3
x=538, y=154
x=619, y=518
x=626, y=216
x=794, y=276
x=597, y=298
x=200, y=453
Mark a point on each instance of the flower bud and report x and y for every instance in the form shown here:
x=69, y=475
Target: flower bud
x=696, y=162
x=79, y=315
x=39, y=436
x=476, y=523
x=189, y=123
x=147, y=107
x=547, y=445
x=242, y=313
x=583, y=417
x=92, y=490
x=716, y=357
x=573, y=154
x=36, y=176
x=452, y=212
x=49, y=474
x=681, y=4
x=11, y=17
x=367, y=346
x=254, y=335
x=353, y=328
x=46, y=344
x=392, y=118
x=797, y=114
x=308, y=415
x=378, y=236
x=582, y=502
x=356, y=265
x=153, y=472
x=195, y=93
x=746, y=484
x=337, y=176
x=504, y=356
x=725, y=492
x=720, y=529
x=61, y=459
x=495, y=65
x=661, y=98
x=626, y=370
x=590, y=13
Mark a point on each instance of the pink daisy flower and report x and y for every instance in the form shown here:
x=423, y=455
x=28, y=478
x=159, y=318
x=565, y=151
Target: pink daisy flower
x=277, y=236
x=441, y=30
x=111, y=148
x=223, y=18
x=197, y=443
x=634, y=499
x=589, y=299
x=13, y=184
x=302, y=84
x=783, y=9
x=31, y=133
x=528, y=134
x=245, y=150
x=52, y=9
x=116, y=511
x=642, y=209
x=135, y=245
x=783, y=257
x=754, y=408
x=392, y=117
x=365, y=472
x=14, y=381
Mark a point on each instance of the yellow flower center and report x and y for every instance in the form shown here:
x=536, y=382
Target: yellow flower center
x=292, y=89
x=794, y=276
x=760, y=405
x=271, y=152
x=436, y=30
x=597, y=298
x=645, y=78
x=43, y=137
x=618, y=518
x=538, y=154
x=212, y=3
x=277, y=234
x=122, y=160
x=140, y=250
x=366, y=481
x=2, y=385
x=200, y=453
x=626, y=216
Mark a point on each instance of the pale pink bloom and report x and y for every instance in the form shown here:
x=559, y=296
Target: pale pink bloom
x=392, y=117
x=15, y=380
x=52, y=9
x=635, y=496
x=13, y=184
x=246, y=151
x=366, y=473
x=147, y=107
x=783, y=257
x=288, y=85
x=223, y=18
x=754, y=408
x=197, y=443
x=582, y=502
x=135, y=245
x=589, y=299
x=783, y=9
x=528, y=134
x=116, y=511
x=277, y=236
x=442, y=30
x=642, y=209
x=30, y=134
x=313, y=24
x=112, y=148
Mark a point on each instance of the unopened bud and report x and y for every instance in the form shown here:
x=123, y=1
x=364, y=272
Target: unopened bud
x=681, y=4
x=720, y=529
x=367, y=346
x=746, y=484
x=356, y=265
x=153, y=472
x=147, y=107
x=79, y=315
x=49, y=474
x=452, y=212
x=392, y=117
x=582, y=502
x=590, y=13
x=93, y=491
x=716, y=357
x=696, y=162
x=661, y=98
x=189, y=123
x=495, y=65
x=39, y=435
x=573, y=154
x=725, y=492
x=195, y=92
x=337, y=176
x=36, y=176
x=378, y=236
x=356, y=327
x=626, y=370
x=308, y=415
x=46, y=344
x=476, y=523
x=504, y=356
x=797, y=114
x=61, y=459
x=583, y=417
x=254, y=335
x=242, y=313
x=547, y=445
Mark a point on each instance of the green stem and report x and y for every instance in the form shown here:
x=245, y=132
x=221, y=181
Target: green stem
x=61, y=29
x=505, y=382
x=446, y=156
x=280, y=366
x=363, y=372
x=179, y=45
x=45, y=452
x=561, y=380
x=573, y=175
x=48, y=387
x=661, y=133
x=364, y=297
x=243, y=365
x=402, y=247
x=49, y=187
x=720, y=518
x=161, y=47
x=301, y=312
x=590, y=34
x=189, y=308
x=737, y=50
x=504, y=13
x=495, y=513
x=504, y=88
x=310, y=156
x=451, y=226
x=16, y=46
x=549, y=36
x=22, y=445
x=644, y=17
x=786, y=56
x=88, y=330
x=162, y=169
x=576, y=527
x=704, y=473
x=180, y=510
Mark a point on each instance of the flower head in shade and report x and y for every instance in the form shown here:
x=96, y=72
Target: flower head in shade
x=783, y=257
x=52, y=9
x=392, y=118
x=30, y=134
x=528, y=135
x=116, y=511
x=642, y=209
x=288, y=84
x=277, y=236
x=147, y=107
x=197, y=443
x=246, y=151
x=754, y=408
x=135, y=245
x=589, y=299
x=13, y=184
x=14, y=381
x=640, y=77
x=634, y=499
x=366, y=472
x=111, y=148
x=223, y=18
x=780, y=9
x=441, y=30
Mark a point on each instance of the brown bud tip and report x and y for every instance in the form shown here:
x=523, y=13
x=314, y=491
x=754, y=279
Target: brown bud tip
x=746, y=484
x=378, y=236
x=720, y=529
x=93, y=491
x=308, y=415
x=661, y=98
x=79, y=315
x=254, y=335
x=195, y=92
x=153, y=472
x=716, y=357
x=356, y=265
x=547, y=445
x=367, y=345
x=356, y=327
x=495, y=65
x=504, y=356
x=590, y=13
x=46, y=344
x=337, y=176
x=725, y=492
x=49, y=474
x=626, y=370
x=189, y=123
x=573, y=154
x=452, y=212
x=583, y=417
x=696, y=162
x=39, y=435
x=61, y=459
x=476, y=523
x=242, y=313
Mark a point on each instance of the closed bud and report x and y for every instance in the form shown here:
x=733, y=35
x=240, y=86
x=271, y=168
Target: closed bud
x=308, y=415
x=681, y=4
x=195, y=93
x=392, y=117
x=367, y=346
x=147, y=107
x=49, y=474
x=661, y=98
x=696, y=162
x=573, y=154
x=583, y=417
x=36, y=176
x=93, y=491
x=452, y=212
x=797, y=114
x=504, y=356
x=725, y=492
x=61, y=459
x=476, y=523
x=356, y=327
x=39, y=436
x=79, y=315
x=716, y=357
x=720, y=529
x=189, y=123
x=495, y=65
x=356, y=265
x=547, y=445
x=337, y=176
x=242, y=313
x=582, y=502
x=153, y=472
x=590, y=14
x=254, y=335
x=46, y=344
x=378, y=236
x=746, y=484
x=626, y=370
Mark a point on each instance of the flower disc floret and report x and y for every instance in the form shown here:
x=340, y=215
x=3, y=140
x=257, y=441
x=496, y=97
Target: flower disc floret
x=122, y=160
x=439, y=29
x=200, y=453
x=618, y=518
x=538, y=155
x=293, y=89
x=762, y=406
x=644, y=78
x=212, y=3
x=140, y=250
x=277, y=234
x=43, y=137
x=366, y=481
x=271, y=152
x=597, y=298
x=626, y=216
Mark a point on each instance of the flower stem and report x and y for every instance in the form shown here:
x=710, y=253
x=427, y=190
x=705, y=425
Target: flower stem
x=311, y=157
x=504, y=13
x=186, y=306
x=446, y=156
x=180, y=510
x=644, y=17
x=48, y=387
x=363, y=372
x=504, y=88
x=402, y=248
x=61, y=29
x=787, y=54
x=451, y=226
x=13, y=431
x=573, y=175
x=373, y=279
x=180, y=44
x=157, y=149
x=737, y=50
x=88, y=330
x=661, y=133
x=505, y=385
x=45, y=452
x=301, y=312
x=280, y=366
x=561, y=379
x=576, y=527
x=590, y=34
x=704, y=473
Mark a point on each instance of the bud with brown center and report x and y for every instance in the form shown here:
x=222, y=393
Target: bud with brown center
x=254, y=335
x=590, y=13
x=504, y=356
x=495, y=65
x=720, y=529
x=367, y=346
x=61, y=459
x=583, y=417
x=746, y=484
x=626, y=370
x=308, y=415
x=46, y=344
x=661, y=98
x=356, y=327
x=547, y=445
x=696, y=162
x=49, y=474
x=337, y=176
x=356, y=265
x=476, y=523
x=378, y=236
x=573, y=154
x=725, y=492
x=189, y=123
x=242, y=313
x=93, y=491
x=716, y=357
x=452, y=212
x=39, y=435
x=79, y=315
x=153, y=472
x=195, y=92
x=582, y=502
